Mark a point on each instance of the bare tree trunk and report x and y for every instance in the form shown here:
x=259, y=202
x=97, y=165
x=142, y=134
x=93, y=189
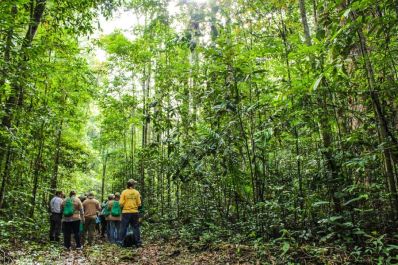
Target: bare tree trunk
x=304, y=21
x=324, y=127
x=35, y=20
x=8, y=46
x=105, y=160
x=16, y=95
x=132, y=150
x=6, y=175
x=295, y=131
x=36, y=170
x=144, y=132
x=54, y=177
x=388, y=139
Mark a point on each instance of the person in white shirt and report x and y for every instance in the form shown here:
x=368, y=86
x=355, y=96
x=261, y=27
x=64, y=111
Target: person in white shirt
x=56, y=216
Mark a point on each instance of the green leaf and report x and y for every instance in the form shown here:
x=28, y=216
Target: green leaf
x=319, y=203
x=317, y=82
x=361, y=197
x=285, y=248
x=327, y=237
x=346, y=13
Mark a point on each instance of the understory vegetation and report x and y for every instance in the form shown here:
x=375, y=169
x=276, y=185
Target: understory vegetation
x=266, y=126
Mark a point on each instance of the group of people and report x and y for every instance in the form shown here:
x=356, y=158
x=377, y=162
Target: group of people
x=82, y=216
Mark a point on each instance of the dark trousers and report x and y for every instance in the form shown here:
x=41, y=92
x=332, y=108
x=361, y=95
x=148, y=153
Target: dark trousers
x=108, y=230
x=55, y=226
x=98, y=225
x=133, y=220
x=103, y=225
x=69, y=229
x=89, y=228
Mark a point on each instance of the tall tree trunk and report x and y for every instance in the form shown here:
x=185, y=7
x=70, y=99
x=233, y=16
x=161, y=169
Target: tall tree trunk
x=16, y=95
x=6, y=174
x=295, y=130
x=389, y=142
x=126, y=155
x=36, y=170
x=54, y=177
x=105, y=161
x=144, y=131
x=333, y=169
x=132, y=150
x=35, y=20
x=8, y=47
x=304, y=22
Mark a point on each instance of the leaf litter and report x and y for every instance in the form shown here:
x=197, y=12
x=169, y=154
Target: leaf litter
x=156, y=253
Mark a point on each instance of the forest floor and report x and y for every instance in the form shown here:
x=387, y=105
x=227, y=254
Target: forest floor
x=23, y=250
x=103, y=253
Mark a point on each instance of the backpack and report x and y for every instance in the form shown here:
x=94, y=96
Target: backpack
x=105, y=210
x=68, y=208
x=116, y=210
x=128, y=240
x=141, y=209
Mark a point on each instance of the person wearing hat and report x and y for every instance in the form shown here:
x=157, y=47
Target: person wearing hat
x=71, y=223
x=106, y=211
x=114, y=218
x=56, y=216
x=82, y=197
x=91, y=207
x=130, y=200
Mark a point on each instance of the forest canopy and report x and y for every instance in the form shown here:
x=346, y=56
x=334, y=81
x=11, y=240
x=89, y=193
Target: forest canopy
x=267, y=123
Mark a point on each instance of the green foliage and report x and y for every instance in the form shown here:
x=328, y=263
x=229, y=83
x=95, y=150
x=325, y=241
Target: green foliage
x=267, y=123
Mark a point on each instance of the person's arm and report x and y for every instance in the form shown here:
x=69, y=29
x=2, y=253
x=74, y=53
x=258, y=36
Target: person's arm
x=81, y=211
x=59, y=202
x=62, y=206
x=122, y=199
x=139, y=199
x=51, y=208
x=98, y=206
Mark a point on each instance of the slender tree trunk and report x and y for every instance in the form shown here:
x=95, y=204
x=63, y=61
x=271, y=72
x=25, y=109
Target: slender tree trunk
x=388, y=139
x=35, y=20
x=315, y=10
x=145, y=89
x=6, y=175
x=8, y=47
x=395, y=5
x=132, y=150
x=105, y=161
x=232, y=82
x=16, y=95
x=126, y=163
x=324, y=127
x=298, y=165
x=161, y=189
x=304, y=21
x=36, y=170
x=54, y=177
x=168, y=174
x=289, y=78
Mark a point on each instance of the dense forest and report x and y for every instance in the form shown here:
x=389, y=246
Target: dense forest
x=271, y=125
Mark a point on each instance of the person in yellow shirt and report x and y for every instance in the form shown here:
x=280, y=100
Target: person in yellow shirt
x=130, y=200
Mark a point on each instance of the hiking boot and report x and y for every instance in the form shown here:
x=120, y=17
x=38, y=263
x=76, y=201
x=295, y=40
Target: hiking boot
x=79, y=248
